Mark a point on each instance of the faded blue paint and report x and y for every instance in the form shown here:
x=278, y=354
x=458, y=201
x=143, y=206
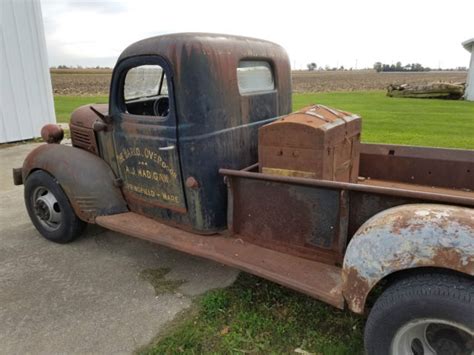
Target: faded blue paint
x=405, y=237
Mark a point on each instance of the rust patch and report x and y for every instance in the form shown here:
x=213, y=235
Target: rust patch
x=293, y=219
x=52, y=133
x=399, y=224
x=453, y=259
x=355, y=289
x=404, y=221
x=86, y=179
x=84, y=121
x=192, y=183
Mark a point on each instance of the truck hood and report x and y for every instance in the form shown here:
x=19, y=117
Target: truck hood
x=85, y=116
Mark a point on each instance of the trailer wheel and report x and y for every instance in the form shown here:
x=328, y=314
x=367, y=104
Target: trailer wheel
x=49, y=209
x=423, y=314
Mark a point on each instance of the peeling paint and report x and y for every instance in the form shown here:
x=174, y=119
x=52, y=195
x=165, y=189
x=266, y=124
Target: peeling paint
x=405, y=237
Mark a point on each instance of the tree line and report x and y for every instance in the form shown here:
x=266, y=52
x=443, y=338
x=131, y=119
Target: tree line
x=381, y=67
x=77, y=67
x=417, y=67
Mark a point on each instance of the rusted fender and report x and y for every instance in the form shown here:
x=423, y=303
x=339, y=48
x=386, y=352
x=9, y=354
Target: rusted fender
x=87, y=180
x=405, y=237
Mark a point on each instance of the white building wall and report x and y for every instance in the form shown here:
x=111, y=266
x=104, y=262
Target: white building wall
x=470, y=78
x=26, y=98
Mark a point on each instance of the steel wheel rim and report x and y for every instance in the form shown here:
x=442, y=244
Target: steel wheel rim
x=416, y=338
x=46, y=209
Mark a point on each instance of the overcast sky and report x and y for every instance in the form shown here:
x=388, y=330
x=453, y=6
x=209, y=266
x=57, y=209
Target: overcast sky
x=352, y=33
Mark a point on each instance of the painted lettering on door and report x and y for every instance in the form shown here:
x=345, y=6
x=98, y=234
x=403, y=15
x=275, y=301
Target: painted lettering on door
x=149, y=174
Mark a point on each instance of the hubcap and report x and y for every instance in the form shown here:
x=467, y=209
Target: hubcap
x=46, y=208
x=431, y=337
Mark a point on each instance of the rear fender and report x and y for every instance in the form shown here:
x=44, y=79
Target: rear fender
x=406, y=237
x=87, y=180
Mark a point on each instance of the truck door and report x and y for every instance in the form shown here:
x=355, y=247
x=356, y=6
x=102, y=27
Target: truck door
x=145, y=136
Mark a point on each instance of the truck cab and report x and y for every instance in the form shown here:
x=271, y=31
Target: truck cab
x=176, y=101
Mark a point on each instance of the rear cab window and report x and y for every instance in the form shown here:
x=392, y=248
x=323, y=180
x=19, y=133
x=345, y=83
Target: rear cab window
x=255, y=76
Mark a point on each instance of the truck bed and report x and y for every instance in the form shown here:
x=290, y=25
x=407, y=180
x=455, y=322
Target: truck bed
x=421, y=166
x=442, y=191
x=315, y=219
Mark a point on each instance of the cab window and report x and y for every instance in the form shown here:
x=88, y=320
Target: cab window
x=145, y=91
x=254, y=77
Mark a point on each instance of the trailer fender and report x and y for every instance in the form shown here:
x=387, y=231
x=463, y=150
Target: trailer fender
x=406, y=237
x=87, y=180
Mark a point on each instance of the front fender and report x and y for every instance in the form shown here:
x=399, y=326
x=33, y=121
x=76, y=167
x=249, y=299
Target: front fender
x=405, y=237
x=86, y=179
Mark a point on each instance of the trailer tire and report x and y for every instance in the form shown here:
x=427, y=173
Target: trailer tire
x=49, y=209
x=424, y=313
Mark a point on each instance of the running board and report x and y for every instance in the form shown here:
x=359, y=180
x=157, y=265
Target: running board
x=318, y=280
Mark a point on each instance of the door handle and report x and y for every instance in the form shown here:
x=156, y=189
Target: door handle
x=170, y=147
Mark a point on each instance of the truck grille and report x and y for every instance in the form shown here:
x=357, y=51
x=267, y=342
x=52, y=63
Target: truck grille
x=84, y=138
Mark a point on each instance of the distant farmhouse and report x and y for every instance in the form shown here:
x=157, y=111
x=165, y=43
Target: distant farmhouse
x=469, y=46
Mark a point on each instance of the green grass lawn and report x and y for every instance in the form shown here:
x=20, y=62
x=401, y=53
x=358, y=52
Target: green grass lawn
x=439, y=123
x=64, y=105
x=257, y=316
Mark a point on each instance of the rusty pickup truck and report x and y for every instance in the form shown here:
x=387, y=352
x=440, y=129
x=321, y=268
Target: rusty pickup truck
x=173, y=159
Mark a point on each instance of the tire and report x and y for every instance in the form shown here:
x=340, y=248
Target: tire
x=49, y=209
x=423, y=313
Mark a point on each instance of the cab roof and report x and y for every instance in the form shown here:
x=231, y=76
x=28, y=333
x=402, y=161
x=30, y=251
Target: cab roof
x=204, y=70
x=174, y=46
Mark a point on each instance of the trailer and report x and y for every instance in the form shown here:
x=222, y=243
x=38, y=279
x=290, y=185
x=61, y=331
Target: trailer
x=173, y=159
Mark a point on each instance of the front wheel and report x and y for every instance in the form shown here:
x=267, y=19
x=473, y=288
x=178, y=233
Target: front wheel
x=49, y=209
x=423, y=314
